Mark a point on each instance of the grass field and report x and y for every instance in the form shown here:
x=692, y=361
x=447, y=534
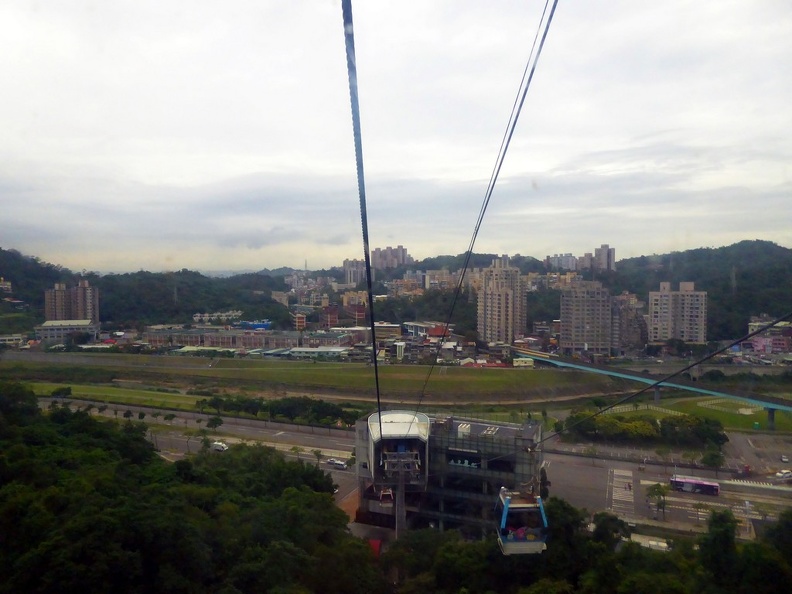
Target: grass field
x=397, y=382
x=488, y=393
x=118, y=395
x=730, y=419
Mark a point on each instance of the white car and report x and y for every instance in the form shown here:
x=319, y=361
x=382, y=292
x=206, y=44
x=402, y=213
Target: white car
x=784, y=458
x=331, y=460
x=784, y=474
x=218, y=446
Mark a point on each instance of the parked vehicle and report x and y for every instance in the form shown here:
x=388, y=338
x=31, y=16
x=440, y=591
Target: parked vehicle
x=218, y=446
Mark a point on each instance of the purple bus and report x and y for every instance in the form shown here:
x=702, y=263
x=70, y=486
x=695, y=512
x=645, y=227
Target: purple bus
x=691, y=484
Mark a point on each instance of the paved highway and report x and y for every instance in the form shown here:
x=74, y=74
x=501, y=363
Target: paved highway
x=591, y=483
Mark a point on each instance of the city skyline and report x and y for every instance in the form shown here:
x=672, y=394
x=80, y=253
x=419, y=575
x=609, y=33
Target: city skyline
x=143, y=137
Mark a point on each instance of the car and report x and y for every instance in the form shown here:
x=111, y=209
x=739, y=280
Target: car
x=784, y=474
x=340, y=464
x=218, y=446
x=331, y=461
x=784, y=458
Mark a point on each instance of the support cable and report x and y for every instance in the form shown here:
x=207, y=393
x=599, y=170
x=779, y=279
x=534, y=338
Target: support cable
x=349, y=38
x=525, y=83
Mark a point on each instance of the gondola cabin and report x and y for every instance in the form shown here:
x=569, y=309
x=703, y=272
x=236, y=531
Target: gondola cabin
x=523, y=523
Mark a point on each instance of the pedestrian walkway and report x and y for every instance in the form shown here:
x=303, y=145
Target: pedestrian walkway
x=622, y=500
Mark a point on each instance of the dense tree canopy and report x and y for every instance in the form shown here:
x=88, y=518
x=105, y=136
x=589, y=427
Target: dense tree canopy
x=88, y=505
x=680, y=430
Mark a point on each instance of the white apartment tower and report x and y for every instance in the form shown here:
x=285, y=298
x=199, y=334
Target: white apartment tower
x=502, y=304
x=678, y=314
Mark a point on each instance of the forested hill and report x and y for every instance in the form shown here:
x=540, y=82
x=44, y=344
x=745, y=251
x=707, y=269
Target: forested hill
x=744, y=279
x=148, y=297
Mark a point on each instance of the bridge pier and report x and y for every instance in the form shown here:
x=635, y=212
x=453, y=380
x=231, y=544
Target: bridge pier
x=771, y=419
x=657, y=394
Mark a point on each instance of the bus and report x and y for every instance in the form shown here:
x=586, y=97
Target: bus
x=691, y=484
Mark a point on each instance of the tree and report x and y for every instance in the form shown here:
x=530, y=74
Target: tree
x=757, y=562
x=318, y=454
x=713, y=459
x=216, y=403
x=214, y=422
x=718, y=548
x=548, y=586
x=128, y=414
x=779, y=535
x=169, y=417
x=141, y=415
x=62, y=392
x=658, y=492
x=609, y=529
x=691, y=455
x=544, y=484
x=664, y=453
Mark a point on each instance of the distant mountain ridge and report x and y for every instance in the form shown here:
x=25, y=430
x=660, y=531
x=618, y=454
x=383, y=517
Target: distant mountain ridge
x=744, y=279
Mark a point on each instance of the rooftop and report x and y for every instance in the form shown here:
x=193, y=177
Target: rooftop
x=399, y=423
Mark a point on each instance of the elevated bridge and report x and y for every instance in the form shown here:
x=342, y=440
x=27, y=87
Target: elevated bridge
x=770, y=403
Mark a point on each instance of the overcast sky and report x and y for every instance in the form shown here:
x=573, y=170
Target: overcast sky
x=161, y=135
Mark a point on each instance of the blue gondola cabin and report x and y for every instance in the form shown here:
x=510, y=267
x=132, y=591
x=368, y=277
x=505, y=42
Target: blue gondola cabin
x=523, y=523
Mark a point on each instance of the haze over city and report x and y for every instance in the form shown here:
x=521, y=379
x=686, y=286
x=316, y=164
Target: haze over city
x=190, y=135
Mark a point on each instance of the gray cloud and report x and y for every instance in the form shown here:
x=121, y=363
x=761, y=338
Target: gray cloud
x=167, y=136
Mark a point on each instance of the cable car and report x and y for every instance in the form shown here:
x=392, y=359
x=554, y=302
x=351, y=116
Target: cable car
x=523, y=523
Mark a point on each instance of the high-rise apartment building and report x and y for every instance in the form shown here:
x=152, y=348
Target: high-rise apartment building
x=355, y=272
x=604, y=257
x=678, y=314
x=561, y=262
x=76, y=303
x=390, y=257
x=85, y=302
x=55, y=303
x=629, y=324
x=586, y=319
x=502, y=303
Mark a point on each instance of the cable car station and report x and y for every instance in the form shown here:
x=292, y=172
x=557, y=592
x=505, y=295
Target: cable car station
x=479, y=477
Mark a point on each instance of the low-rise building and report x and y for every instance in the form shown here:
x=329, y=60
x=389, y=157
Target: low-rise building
x=60, y=330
